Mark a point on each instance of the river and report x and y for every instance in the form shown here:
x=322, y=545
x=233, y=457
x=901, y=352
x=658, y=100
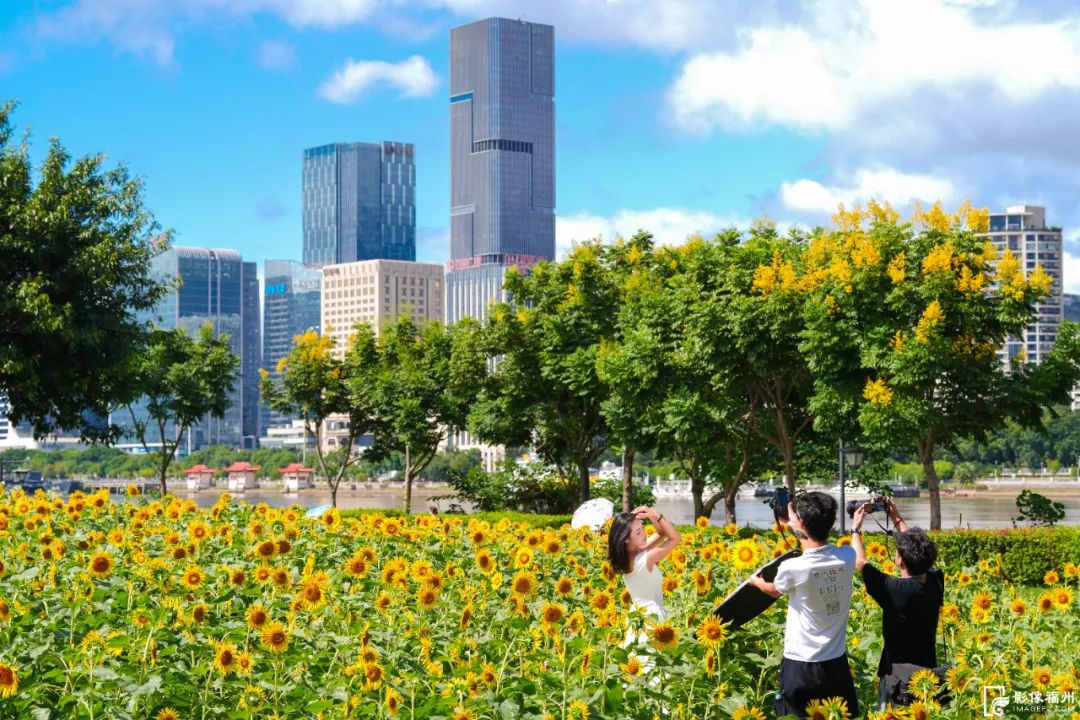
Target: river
x=988, y=511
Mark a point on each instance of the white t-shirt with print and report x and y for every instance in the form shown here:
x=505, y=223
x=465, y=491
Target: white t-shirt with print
x=818, y=586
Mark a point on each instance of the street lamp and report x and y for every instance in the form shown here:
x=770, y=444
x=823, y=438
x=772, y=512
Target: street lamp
x=853, y=456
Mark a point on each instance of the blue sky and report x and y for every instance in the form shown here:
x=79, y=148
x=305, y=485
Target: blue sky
x=678, y=117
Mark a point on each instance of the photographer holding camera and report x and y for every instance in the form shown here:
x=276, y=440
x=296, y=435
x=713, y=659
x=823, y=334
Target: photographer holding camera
x=909, y=604
x=818, y=586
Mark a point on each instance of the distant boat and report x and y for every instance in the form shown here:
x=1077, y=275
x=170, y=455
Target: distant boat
x=859, y=492
x=904, y=491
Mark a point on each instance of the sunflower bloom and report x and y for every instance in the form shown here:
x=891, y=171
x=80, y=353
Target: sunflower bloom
x=9, y=680
x=275, y=637
x=101, y=564
x=664, y=635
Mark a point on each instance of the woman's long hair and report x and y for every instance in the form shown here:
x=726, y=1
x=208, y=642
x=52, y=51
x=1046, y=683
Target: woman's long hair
x=618, y=534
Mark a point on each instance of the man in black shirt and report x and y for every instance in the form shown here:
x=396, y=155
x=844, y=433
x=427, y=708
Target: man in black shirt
x=909, y=604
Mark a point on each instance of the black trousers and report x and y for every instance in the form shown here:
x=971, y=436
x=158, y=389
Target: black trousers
x=801, y=682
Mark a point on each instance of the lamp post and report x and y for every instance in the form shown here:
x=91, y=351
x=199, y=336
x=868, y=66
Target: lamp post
x=853, y=456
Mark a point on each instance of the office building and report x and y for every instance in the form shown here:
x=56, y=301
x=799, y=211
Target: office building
x=375, y=292
x=292, y=295
x=211, y=291
x=502, y=157
x=1022, y=229
x=359, y=202
x=251, y=340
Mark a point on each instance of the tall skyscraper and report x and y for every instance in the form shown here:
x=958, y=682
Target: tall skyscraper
x=359, y=202
x=251, y=325
x=1023, y=231
x=291, y=298
x=212, y=290
x=502, y=157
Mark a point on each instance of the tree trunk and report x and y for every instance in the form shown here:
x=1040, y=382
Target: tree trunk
x=161, y=478
x=583, y=481
x=926, y=454
x=730, y=493
x=333, y=493
x=789, y=465
x=408, y=481
x=628, y=479
x=697, y=491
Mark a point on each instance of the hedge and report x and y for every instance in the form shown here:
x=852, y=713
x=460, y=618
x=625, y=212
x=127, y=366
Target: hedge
x=541, y=521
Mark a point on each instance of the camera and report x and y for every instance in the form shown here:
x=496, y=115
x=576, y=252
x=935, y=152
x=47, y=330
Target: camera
x=779, y=502
x=878, y=506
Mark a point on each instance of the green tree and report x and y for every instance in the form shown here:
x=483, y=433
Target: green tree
x=545, y=391
x=181, y=381
x=665, y=390
x=426, y=378
x=75, y=271
x=314, y=383
x=909, y=323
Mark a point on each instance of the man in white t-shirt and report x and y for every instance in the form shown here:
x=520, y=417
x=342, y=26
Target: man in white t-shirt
x=818, y=586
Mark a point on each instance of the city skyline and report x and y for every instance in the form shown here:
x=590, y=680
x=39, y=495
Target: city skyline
x=662, y=124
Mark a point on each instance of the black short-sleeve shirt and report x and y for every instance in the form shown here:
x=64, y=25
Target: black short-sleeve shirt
x=909, y=616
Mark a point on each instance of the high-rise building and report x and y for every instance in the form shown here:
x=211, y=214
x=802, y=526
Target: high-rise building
x=502, y=157
x=291, y=306
x=377, y=292
x=251, y=325
x=211, y=290
x=359, y=202
x=1023, y=231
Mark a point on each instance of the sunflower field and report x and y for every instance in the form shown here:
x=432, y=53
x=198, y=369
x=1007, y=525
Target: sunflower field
x=157, y=609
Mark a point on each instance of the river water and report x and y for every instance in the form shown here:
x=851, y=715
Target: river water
x=966, y=512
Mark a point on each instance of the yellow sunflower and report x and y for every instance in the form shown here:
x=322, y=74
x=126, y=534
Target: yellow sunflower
x=9, y=680
x=101, y=564
x=1051, y=577
x=392, y=701
x=225, y=658
x=712, y=632
x=1041, y=676
x=632, y=666
x=257, y=616
x=1063, y=597
x=664, y=635
x=747, y=713
x=275, y=637
x=523, y=584
x=193, y=577
x=747, y=554
x=167, y=714
x=552, y=613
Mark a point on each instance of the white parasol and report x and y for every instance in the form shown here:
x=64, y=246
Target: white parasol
x=593, y=513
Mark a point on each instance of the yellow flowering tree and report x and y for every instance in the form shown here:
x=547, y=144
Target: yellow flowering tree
x=906, y=338
x=313, y=382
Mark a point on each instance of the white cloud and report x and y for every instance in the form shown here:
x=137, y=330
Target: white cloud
x=413, y=77
x=276, y=55
x=1070, y=268
x=669, y=226
x=882, y=184
x=145, y=27
x=842, y=63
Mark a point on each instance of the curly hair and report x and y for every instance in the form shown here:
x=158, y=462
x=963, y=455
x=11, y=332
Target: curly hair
x=917, y=550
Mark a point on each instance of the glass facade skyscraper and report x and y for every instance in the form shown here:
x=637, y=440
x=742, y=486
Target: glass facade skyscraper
x=291, y=306
x=212, y=289
x=252, y=354
x=502, y=157
x=359, y=202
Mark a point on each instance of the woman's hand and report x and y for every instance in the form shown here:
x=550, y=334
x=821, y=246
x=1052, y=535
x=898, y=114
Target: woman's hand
x=647, y=513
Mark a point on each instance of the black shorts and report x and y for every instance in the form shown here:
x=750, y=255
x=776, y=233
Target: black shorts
x=801, y=682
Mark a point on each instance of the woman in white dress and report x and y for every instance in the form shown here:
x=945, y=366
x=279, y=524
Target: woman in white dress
x=636, y=557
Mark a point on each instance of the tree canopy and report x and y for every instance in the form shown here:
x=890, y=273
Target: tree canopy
x=76, y=246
